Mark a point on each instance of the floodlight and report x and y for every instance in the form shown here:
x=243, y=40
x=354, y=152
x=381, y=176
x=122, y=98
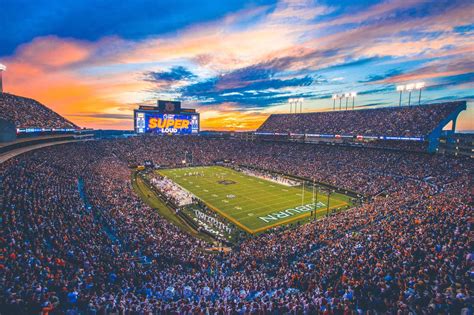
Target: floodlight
x=2, y=68
x=347, y=95
x=419, y=85
x=334, y=98
x=400, y=88
x=353, y=95
x=410, y=87
x=291, y=101
x=301, y=99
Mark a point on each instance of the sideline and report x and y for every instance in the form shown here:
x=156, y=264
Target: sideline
x=149, y=197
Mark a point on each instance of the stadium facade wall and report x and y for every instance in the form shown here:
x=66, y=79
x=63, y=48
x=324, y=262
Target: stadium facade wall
x=21, y=143
x=7, y=131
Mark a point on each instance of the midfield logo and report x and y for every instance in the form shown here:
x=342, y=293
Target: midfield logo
x=226, y=182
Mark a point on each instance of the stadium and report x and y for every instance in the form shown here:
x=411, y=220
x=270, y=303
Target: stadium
x=346, y=210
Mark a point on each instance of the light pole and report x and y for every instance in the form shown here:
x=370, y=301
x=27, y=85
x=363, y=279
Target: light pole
x=327, y=206
x=340, y=100
x=2, y=68
x=409, y=88
x=334, y=98
x=302, y=195
x=301, y=104
x=329, y=194
x=290, y=100
x=347, y=95
x=419, y=86
x=316, y=204
x=353, y=95
x=400, y=88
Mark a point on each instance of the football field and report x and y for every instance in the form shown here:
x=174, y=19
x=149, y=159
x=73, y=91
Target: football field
x=252, y=203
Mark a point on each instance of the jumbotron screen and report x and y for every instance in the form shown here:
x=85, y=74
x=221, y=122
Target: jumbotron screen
x=161, y=123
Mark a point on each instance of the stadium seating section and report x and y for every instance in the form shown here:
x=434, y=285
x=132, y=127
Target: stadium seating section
x=28, y=113
x=76, y=239
x=413, y=121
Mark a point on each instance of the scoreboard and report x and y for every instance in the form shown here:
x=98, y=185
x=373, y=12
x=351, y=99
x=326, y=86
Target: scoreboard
x=147, y=121
x=167, y=117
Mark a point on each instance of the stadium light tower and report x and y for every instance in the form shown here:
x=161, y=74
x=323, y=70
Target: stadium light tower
x=419, y=86
x=400, y=88
x=334, y=98
x=347, y=95
x=409, y=87
x=2, y=68
x=300, y=100
x=353, y=95
x=292, y=102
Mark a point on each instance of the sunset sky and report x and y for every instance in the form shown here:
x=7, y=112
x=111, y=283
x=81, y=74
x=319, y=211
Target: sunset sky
x=235, y=61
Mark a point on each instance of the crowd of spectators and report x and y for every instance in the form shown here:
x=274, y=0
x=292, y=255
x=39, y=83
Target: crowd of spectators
x=76, y=239
x=407, y=121
x=28, y=113
x=366, y=171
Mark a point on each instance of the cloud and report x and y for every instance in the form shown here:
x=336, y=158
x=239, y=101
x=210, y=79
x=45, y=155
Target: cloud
x=344, y=64
x=379, y=77
x=435, y=69
x=86, y=20
x=454, y=80
x=229, y=114
x=176, y=73
x=52, y=51
x=464, y=29
x=253, y=58
x=258, y=85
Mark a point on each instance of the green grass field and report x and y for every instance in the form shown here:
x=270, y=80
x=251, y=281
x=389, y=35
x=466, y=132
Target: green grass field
x=252, y=203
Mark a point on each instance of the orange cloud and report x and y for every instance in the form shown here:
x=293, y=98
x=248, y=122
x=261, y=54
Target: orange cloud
x=226, y=116
x=436, y=69
x=46, y=69
x=52, y=51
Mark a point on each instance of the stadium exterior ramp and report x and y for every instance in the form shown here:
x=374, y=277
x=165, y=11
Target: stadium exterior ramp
x=435, y=135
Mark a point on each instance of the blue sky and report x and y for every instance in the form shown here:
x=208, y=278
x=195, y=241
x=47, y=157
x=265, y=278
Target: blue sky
x=235, y=61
